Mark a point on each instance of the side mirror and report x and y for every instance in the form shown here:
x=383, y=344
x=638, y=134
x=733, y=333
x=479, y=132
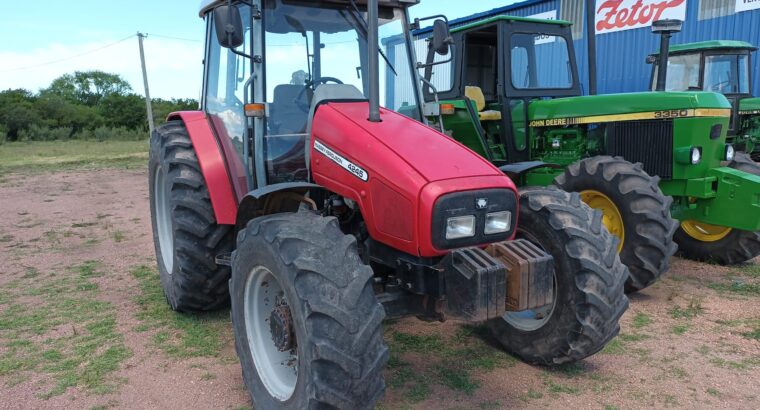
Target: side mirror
x=229, y=26
x=442, y=39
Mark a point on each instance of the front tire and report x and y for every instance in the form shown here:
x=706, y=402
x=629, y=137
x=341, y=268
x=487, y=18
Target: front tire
x=722, y=245
x=635, y=210
x=589, y=296
x=186, y=236
x=325, y=349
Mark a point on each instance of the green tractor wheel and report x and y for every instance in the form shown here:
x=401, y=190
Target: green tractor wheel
x=720, y=244
x=634, y=209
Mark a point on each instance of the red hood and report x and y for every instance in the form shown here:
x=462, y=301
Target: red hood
x=433, y=155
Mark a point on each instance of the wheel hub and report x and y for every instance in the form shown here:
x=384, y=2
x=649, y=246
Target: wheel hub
x=705, y=232
x=611, y=217
x=281, y=325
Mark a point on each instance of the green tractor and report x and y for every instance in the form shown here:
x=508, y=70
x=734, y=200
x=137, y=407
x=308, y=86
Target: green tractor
x=508, y=88
x=723, y=67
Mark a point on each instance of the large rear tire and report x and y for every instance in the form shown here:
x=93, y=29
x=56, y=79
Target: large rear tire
x=185, y=233
x=718, y=244
x=308, y=328
x=589, y=278
x=635, y=210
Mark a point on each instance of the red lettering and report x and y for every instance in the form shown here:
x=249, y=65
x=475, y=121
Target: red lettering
x=616, y=17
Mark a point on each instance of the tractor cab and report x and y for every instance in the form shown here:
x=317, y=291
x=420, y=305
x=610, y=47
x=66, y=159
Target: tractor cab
x=267, y=60
x=505, y=63
x=718, y=66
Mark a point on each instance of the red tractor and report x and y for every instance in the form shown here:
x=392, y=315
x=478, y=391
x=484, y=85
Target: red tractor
x=318, y=211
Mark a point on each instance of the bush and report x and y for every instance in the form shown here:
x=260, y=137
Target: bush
x=119, y=134
x=3, y=134
x=42, y=133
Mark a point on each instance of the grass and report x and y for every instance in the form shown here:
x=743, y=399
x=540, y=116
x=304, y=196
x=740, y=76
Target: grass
x=738, y=287
x=59, y=328
x=680, y=329
x=179, y=335
x=641, y=320
x=42, y=156
x=450, y=362
x=691, y=311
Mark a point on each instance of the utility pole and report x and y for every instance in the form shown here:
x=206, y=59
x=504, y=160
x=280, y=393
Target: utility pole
x=148, y=103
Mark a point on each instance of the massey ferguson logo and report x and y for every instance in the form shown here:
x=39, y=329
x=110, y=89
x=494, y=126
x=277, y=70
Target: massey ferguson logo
x=481, y=203
x=618, y=15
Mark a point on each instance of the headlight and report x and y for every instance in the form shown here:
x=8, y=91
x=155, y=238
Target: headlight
x=498, y=222
x=696, y=156
x=730, y=152
x=460, y=227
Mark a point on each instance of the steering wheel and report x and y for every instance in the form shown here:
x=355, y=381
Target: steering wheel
x=321, y=80
x=721, y=85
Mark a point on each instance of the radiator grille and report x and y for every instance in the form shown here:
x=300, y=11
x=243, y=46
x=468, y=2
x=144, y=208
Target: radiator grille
x=649, y=142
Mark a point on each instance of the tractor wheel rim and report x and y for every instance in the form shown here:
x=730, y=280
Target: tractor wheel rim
x=533, y=319
x=277, y=370
x=611, y=216
x=705, y=232
x=163, y=220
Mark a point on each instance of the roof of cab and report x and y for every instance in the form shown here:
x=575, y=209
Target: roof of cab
x=207, y=5
x=510, y=18
x=709, y=45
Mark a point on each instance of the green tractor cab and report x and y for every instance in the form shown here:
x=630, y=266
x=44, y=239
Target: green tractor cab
x=724, y=67
x=510, y=91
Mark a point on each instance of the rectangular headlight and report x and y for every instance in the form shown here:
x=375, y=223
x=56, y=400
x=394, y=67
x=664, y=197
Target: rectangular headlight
x=460, y=227
x=498, y=222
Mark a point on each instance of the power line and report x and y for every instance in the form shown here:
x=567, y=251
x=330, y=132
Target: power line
x=172, y=38
x=70, y=57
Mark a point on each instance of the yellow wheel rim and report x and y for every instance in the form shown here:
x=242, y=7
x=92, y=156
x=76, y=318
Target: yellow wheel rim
x=611, y=218
x=705, y=232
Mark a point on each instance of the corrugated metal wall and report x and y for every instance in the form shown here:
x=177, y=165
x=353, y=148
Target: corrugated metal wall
x=621, y=65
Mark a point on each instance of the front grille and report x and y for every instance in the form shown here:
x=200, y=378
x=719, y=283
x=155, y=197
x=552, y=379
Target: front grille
x=649, y=142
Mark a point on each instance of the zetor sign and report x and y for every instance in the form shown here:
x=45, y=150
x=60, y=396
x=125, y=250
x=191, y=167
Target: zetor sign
x=619, y=15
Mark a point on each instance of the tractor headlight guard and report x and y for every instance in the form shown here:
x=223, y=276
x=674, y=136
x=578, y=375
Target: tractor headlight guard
x=730, y=152
x=472, y=218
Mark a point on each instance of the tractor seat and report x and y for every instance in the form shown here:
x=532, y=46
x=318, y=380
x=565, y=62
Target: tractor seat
x=286, y=117
x=476, y=94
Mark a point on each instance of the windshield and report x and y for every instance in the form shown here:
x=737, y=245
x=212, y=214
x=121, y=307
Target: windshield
x=727, y=74
x=540, y=61
x=683, y=73
x=314, y=43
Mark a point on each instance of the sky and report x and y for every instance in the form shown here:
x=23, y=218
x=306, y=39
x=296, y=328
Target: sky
x=44, y=39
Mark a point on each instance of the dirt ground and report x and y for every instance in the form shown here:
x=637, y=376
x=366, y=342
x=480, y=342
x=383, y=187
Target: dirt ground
x=690, y=341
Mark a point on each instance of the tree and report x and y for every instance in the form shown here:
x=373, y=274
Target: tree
x=162, y=108
x=88, y=87
x=123, y=111
x=18, y=112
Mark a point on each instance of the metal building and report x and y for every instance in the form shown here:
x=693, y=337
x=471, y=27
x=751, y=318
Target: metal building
x=624, y=38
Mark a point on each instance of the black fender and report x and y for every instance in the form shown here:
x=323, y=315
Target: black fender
x=517, y=169
x=272, y=199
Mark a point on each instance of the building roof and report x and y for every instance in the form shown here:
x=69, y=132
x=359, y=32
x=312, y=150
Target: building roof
x=709, y=45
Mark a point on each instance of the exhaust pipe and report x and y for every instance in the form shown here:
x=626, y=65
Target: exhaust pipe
x=373, y=60
x=666, y=29
x=591, y=42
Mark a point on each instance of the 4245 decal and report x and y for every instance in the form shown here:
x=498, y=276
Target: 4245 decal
x=349, y=166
